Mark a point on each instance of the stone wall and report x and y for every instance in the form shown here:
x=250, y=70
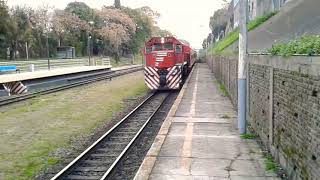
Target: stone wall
x=259, y=96
x=225, y=70
x=283, y=107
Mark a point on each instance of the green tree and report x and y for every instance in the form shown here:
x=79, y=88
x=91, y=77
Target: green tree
x=20, y=30
x=82, y=10
x=69, y=29
x=5, y=20
x=158, y=32
x=116, y=30
x=41, y=29
x=144, y=25
x=204, y=44
x=87, y=14
x=218, y=22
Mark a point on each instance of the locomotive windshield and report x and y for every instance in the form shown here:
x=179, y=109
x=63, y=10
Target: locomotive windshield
x=157, y=47
x=179, y=48
x=161, y=47
x=148, y=49
x=168, y=46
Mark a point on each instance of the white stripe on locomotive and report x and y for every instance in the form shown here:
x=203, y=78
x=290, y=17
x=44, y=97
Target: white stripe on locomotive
x=169, y=76
x=153, y=74
x=170, y=70
x=151, y=77
x=15, y=88
x=153, y=81
x=173, y=81
x=154, y=71
x=149, y=80
x=176, y=80
x=150, y=84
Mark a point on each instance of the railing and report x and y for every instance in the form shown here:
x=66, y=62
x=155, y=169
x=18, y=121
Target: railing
x=43, y=64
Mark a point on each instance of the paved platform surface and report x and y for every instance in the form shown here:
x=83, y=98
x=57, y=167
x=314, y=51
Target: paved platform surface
x=199, y=141
x=55, y=72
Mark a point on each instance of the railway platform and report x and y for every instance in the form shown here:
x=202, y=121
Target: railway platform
x=23, y=82
x=199, y=139
x=48, y=73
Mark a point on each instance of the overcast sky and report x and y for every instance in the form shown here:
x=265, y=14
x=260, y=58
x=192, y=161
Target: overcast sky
x=188, y=19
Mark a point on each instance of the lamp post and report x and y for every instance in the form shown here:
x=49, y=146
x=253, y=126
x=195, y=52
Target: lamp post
x=48, y=30
x=48, y=51
x=89, y=41
x=89, y=49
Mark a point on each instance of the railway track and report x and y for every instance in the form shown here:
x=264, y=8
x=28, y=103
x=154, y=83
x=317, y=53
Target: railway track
x=99, y=160
x=74, y=82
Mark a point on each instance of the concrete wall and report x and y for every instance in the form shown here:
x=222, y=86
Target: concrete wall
x=292, y=22
x=255, y=8
x=283, y=107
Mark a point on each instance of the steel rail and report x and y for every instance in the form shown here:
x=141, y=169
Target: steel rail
x=109, y=75
x=71, y=165
x=131, y=142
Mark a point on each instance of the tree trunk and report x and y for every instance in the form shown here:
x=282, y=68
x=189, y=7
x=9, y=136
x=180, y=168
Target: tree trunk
x=40, y=53
x=117, y=57
x=27, y=51
x=13, y=50
x=60, y=41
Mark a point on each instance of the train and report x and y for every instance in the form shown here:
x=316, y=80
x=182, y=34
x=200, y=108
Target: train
x=168, y=61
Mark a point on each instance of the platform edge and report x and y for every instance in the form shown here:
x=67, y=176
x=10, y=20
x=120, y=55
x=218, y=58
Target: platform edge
x=147, y=165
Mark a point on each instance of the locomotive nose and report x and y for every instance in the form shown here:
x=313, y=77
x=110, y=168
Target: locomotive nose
x=163, y=77
x=163, y=80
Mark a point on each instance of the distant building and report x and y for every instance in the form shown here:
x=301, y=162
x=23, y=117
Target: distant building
x=66, y=52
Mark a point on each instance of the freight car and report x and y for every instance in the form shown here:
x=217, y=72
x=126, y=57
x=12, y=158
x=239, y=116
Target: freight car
x=168, y=62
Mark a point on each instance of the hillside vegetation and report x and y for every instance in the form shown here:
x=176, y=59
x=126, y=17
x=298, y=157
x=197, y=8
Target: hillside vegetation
x=306, y=45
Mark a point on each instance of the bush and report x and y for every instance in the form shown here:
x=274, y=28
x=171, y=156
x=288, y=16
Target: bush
x=306, y=45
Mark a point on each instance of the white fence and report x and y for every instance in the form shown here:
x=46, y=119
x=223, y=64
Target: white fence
x=36, y=65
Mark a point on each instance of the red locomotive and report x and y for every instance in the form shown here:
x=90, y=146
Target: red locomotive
x=168, y=62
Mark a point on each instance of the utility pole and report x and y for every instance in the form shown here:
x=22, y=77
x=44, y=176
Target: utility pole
x=117, y=4
x=91, y=23
x=207, y=49
x=89, y=48
x=48, y=52
x=242, y=67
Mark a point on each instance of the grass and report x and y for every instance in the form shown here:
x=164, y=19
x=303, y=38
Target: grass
x=34, y=132
x=234, y=35
x=227, y=41
x=271, y=165
x=248, y=136
x=126, y=61
x=225, y=117
x=222, y=88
